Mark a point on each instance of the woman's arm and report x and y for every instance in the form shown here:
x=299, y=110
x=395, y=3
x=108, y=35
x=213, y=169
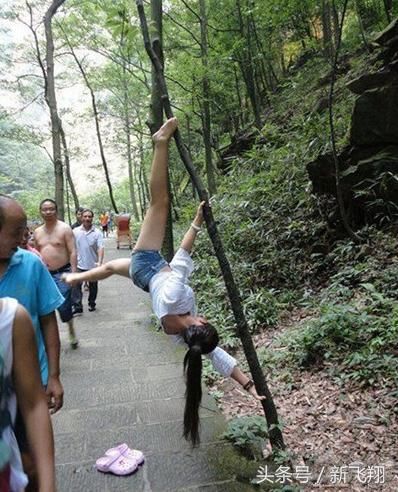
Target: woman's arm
x=191, y=233
x=113, y=267
x=226, y=365
x=242, y=379
x=32, y=400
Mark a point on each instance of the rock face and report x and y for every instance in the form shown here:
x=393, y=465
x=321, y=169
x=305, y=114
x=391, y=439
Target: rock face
x=375, y=117
x=369, y=165
x=241, y=142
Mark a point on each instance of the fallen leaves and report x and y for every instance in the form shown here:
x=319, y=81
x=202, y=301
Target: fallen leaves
x=326, y=425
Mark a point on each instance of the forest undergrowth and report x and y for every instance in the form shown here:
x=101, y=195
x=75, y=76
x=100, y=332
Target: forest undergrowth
x=322, y=310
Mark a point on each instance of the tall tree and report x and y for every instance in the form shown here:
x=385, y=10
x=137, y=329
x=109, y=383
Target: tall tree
x=50, y=96
x=206, y=120
x=97, y=125
x=125, y=55
x=328, y=44
x=246, y=64
x=67, y=170
x=157, y=110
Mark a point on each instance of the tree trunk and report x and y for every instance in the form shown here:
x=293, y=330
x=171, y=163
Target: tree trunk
x=327, y=30
x=51, y=100
x=275, y=433
x=206, y=121
x=67, y=203
x=97, y=127
x=157, y=112
x=247, y=68
x=339, y=192
x=238, y=120
x=261, y=59
x=335, y=23
x=361, y=27
x=142, y=182
x=67, y=168
x=128, y=141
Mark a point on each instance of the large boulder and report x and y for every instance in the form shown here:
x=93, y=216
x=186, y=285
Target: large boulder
x=375, y=117
x=369, y=166
x=367, y=172
x=368, y=180
x=240, y=143
x=386, y=77
x=389, y=35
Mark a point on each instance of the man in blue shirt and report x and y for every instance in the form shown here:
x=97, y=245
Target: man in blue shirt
x=24, y=277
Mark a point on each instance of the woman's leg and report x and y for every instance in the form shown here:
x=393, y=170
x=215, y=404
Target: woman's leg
x=153, y=228
x=113, y=267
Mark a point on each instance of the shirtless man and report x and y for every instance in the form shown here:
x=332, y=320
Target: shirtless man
x=56, y=244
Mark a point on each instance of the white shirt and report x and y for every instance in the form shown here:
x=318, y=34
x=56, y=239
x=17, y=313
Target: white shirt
x=170, y=291
x=171, y=294
x=88, y=243
x=18, y=479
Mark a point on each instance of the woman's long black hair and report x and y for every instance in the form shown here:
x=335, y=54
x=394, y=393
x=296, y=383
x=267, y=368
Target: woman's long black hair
x=201, y=339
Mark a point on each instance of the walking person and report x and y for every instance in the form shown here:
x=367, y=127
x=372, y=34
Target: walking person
x=90, y=254
x=104, y=221
x=26, y=239
x=21, y=385
x=56, y=244
x=79, y=214
x=173, y=300
x=24, y=277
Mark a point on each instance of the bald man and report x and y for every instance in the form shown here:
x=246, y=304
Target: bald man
x=24, y=277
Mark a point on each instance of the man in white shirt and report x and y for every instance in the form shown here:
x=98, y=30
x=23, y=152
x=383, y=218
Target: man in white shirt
x=90, y=254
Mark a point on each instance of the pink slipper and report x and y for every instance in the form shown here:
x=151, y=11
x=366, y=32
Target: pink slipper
x=118, y=465
x=124, y=450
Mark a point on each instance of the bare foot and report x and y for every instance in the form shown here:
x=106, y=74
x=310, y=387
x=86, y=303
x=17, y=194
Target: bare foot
x=165, y=132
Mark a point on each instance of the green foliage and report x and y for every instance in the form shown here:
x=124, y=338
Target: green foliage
x=25, y=171
x=356, y=341
x=247, y=434
x=209, y=374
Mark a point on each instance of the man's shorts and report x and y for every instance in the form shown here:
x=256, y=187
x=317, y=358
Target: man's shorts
x=144, y=265
x=65, y=310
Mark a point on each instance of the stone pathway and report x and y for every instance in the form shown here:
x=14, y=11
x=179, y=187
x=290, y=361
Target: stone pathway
x=125, y=384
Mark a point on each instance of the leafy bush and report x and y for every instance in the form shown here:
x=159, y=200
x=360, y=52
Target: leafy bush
x=362, y=337
x=247, y=434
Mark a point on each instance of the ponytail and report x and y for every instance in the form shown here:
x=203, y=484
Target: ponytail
x=201, y=339
x=193, y=393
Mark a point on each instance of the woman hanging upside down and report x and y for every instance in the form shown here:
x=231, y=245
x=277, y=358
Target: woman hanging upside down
x=173, y=300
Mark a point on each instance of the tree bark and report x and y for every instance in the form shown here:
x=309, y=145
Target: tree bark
x=327, y=30
x=275, y=433
x=51, y=100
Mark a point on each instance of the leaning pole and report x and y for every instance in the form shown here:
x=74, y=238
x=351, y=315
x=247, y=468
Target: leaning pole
x=275, y=433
